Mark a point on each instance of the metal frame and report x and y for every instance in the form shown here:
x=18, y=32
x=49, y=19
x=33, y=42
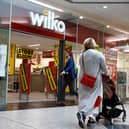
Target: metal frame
x=98, y=2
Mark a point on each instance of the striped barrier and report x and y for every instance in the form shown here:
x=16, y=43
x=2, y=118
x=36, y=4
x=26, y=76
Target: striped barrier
x=51, y=80
x=23, y=79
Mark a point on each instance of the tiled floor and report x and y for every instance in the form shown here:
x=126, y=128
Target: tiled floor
x=51, y=118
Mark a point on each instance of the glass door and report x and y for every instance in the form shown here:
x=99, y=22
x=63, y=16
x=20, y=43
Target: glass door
x=5, y=30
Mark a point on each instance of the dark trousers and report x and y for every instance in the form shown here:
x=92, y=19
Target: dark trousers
x=71, y=87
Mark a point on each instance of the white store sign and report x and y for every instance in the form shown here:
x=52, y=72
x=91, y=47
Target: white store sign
x=47, y=21
x=3, y=56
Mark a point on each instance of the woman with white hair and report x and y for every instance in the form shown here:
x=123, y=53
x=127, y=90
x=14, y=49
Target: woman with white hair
x=91, y=62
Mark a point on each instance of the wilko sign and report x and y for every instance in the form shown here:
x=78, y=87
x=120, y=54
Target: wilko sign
x=47, y=20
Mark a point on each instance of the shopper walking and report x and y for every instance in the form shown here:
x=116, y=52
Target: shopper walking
x=93, y=63
x=69, y=75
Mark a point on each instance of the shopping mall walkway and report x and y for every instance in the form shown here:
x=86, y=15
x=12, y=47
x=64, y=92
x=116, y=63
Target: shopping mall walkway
x=50, y=118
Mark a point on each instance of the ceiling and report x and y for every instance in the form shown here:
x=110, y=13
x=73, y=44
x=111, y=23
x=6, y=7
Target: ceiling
x=95, y=16
x=45, y=43
x=116, y=15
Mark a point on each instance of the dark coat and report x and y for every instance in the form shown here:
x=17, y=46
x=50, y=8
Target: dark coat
x=70, y=68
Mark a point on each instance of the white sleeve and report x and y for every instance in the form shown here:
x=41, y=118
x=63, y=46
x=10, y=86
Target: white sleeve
x=103, y=64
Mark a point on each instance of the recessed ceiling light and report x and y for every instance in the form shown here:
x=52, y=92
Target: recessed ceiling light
x=34, y=45
x=126, y=50
x=105, y=7
x=114, y=49
x=57, y=16
x=107, y=26
x=117, y=39
x=81, y=17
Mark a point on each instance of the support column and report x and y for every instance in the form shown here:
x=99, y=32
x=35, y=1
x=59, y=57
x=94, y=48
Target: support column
x=61, y=66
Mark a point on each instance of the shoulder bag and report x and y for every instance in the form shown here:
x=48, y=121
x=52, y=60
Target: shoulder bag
x=87, y=80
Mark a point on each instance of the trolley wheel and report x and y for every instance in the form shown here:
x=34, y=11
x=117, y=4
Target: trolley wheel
x=123, y=118
x=98, y=118
x=111, y=121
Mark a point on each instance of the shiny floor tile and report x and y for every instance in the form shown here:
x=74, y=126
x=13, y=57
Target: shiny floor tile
x=120, y=126
x=32, y=105
x=51, y=118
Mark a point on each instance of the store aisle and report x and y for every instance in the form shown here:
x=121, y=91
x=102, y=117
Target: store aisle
x=49, y=118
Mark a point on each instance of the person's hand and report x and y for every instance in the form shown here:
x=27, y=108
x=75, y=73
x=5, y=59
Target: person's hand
x=62, y=73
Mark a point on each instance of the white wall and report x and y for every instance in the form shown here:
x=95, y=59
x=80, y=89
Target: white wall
x=45, y=61
x=17, y=62
x=123, y=65
x=123, y=60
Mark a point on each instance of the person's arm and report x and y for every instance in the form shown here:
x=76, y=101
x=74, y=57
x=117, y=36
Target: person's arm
x=70, y=65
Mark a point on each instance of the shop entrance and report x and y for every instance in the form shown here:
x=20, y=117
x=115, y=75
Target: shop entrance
x=44, y=64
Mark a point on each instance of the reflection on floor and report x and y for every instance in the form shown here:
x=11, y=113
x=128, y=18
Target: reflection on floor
x=35, y=100
x=52, y=118
x=32, y=105
x=34, y=97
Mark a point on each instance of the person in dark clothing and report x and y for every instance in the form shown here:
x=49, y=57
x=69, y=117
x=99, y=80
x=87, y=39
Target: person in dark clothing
x=69, y=75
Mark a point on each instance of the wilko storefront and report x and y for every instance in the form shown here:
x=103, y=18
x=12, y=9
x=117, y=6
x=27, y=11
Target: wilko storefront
x=33, y=40
x=34, y=56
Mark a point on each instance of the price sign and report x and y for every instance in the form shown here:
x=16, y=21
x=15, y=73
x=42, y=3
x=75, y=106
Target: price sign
x=24, y=53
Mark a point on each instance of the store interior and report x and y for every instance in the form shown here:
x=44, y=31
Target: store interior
x=117, y=60
x=43, y=53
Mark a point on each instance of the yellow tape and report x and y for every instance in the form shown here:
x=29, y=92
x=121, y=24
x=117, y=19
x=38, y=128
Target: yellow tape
x=51, y=79
x=56, y=60
x=12, y=59
x=23, y=78
x=67, y=89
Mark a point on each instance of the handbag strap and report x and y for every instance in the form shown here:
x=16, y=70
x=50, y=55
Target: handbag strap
x=83, y=62
x=84, y=67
